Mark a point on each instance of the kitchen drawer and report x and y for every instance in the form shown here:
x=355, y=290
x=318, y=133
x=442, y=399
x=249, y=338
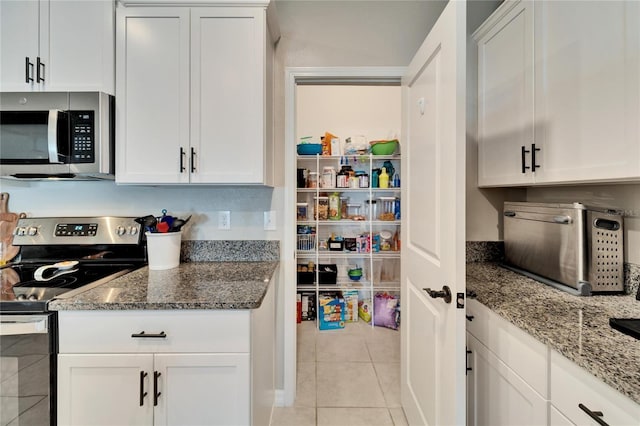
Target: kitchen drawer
x=521, y=352
x=186, y=331
x=572, y=385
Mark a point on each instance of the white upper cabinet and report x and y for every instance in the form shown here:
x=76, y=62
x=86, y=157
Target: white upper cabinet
x=193, y=86
x=57, y=45
x=587, y=93
x=505, y=96
x=559, y=93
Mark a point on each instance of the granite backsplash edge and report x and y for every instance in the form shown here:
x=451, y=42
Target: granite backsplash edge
x=493, y=251
x=230, y=251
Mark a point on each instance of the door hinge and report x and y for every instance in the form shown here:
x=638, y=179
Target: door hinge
x=460, y=300
x=466, y=362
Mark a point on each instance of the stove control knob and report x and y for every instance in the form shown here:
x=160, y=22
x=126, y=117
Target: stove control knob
x=32, y=297
x=21, y=297
x=21, y=231
x=133, y=230
x=120, y=230
x=32, y=231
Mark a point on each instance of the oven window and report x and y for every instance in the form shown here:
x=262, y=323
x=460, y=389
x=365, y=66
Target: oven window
x=25, y=378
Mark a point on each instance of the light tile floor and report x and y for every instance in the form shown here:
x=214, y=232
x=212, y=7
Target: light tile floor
x=347, y=377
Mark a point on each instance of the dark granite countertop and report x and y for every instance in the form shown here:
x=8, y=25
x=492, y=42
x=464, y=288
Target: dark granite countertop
x=197, y=285
x=577, y=327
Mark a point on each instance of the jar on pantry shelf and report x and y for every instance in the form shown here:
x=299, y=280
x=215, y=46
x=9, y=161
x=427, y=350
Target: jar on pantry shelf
x=353, y=211
x=371, y=209
x=363, y=179
x=312, y=180
x=387, y=208
x=320, y=208
x=334, y=206
x=354, y=182
x=342, y=178
x=328, y=177
x=386, y=240
x=344, y=202
x=302, y=211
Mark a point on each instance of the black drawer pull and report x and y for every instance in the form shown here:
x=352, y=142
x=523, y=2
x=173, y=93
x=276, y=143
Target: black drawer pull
x=142, y=392
x=39, y=66
x=28, y=71
x=595, y=415
x=160, y=335
x=523, y=153
x=156, y=394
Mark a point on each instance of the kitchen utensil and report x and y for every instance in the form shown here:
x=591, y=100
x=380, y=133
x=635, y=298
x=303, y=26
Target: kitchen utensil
x=179, y=223
x=60, y=268
x=162, y=227
x=147, y=221
x=4, y=209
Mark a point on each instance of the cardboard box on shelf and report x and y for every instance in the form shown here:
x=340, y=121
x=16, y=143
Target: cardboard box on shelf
x=331, y=313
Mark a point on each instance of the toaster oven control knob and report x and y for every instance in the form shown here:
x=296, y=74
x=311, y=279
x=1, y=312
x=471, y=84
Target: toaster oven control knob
x=133, y=230
x=120, y=230
x=32, y=231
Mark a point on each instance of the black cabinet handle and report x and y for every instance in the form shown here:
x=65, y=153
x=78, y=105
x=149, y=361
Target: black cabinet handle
x=182, y=154
x=534, y=166
x=193, y=160
x=28, y=70
x=466, y=362
x=470, y=318
x=156, y=394
x=142, y=392
x=160, y=335
x=595, y=415
x=523, y=154
x=471, y=294
x=39, y=63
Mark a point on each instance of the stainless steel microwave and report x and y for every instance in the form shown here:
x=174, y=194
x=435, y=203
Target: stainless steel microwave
x=57, y=135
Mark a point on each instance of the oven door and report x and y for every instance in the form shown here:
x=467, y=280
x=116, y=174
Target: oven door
x=27, y=369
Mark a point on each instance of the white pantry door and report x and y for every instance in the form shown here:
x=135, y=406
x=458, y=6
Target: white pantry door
x=433, y=331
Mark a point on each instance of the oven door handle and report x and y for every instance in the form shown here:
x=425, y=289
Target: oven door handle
x=11, y=325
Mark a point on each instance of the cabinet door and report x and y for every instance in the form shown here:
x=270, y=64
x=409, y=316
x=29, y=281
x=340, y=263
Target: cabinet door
x=152, y=49
x=228, y=94
x=203, y=389
x=105, y=390
x=505, y=97
x=501, y=397
x=19, y=39
x=81, y=46
x=587, y=94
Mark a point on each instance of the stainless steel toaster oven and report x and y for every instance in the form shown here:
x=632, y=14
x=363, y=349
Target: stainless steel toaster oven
x=575, y=247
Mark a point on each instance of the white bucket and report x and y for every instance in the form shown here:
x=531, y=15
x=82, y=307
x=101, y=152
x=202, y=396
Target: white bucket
x=163, y=249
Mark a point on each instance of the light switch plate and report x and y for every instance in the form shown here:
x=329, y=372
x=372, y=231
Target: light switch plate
x=270, y=220
x=224, y=219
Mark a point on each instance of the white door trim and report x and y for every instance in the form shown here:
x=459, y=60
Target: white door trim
x=293, y=76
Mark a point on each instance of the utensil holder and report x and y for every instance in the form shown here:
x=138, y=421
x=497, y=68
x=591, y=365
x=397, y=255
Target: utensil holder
x=163, y=250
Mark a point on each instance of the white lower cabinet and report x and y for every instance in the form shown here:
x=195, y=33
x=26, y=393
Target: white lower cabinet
x=580, y=398
x=514, y=379
x=499, y=395
x=508, y=380
x=173, y=367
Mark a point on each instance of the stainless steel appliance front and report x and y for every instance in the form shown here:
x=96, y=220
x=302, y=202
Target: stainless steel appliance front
x=55, y=134
x=572, y=244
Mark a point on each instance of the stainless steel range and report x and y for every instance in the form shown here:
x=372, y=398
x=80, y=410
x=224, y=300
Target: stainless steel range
x=59, y=258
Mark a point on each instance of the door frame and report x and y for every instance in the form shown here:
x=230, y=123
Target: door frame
x=294, y=76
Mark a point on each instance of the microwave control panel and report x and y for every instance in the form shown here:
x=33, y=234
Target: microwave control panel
x=82, y=136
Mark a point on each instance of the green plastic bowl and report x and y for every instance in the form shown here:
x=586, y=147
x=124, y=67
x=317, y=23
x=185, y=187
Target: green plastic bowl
x=384, y=147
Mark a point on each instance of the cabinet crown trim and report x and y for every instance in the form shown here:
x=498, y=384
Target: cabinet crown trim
x=494, y=18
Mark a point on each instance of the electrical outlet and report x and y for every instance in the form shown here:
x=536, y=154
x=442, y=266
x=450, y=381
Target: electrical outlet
x=224, y=219
x=270, y=220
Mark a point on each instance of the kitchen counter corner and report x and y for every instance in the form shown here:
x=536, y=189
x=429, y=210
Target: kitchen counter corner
x=577, y=327
x=197, y=285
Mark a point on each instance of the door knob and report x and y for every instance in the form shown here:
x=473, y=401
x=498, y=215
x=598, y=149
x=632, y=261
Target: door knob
x=445, y=293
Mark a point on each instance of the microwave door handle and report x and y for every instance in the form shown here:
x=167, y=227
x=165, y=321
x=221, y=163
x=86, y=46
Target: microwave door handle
x=52, y=136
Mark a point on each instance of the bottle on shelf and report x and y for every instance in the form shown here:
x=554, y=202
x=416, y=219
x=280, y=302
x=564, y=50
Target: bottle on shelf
x=384, y=178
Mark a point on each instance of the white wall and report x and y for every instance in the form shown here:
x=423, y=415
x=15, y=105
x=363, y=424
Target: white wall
x=372, y=111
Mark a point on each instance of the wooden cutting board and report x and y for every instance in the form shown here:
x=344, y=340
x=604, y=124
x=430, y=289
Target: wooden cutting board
x=5, y=214
x=8, y=222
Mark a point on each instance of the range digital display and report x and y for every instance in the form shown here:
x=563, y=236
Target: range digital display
x=76, y=229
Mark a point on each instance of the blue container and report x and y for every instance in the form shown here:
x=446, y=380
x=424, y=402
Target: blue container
x=309, y=148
